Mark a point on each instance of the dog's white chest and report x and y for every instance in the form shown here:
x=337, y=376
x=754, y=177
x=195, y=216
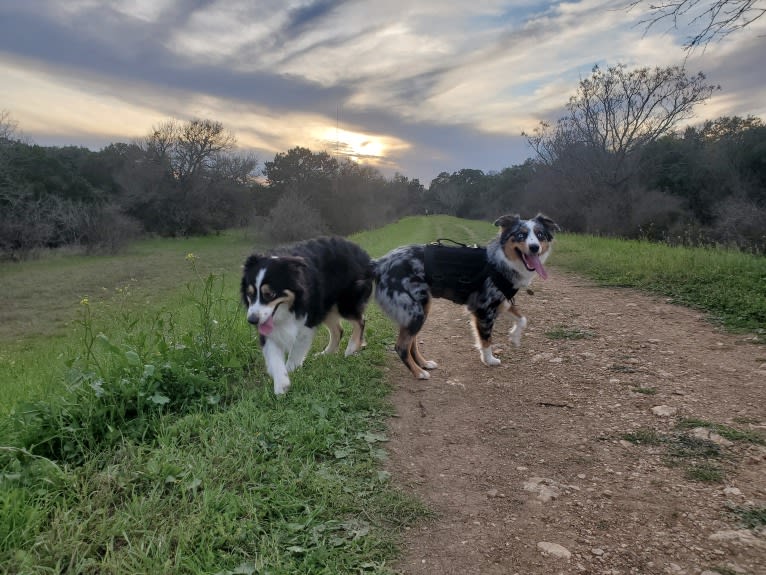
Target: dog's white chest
x=286, y=328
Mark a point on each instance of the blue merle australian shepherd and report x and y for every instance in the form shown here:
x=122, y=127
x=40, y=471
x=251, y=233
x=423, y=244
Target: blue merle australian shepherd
x=484, y=280
x=290, y=291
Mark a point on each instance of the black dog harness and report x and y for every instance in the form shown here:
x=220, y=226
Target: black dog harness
x=455, y=272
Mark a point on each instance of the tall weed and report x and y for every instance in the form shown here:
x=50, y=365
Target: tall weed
x=118, y=390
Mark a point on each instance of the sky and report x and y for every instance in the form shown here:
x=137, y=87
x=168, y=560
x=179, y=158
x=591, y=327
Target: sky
x=407, y=86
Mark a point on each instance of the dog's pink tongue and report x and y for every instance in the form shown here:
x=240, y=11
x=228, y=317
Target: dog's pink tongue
x=534, y=261
x=266, y=327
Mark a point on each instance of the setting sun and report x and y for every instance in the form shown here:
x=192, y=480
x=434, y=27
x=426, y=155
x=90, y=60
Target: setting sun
x=357, y=146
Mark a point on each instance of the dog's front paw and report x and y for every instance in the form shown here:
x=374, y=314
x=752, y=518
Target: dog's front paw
x=351, y=349
x=424, y=375
x=430, y=365
x=281, y=385
x=518, y=328
x=293, y=364
x=487, y=358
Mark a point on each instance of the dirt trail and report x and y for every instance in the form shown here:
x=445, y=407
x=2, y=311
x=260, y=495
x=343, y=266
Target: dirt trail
x=527, y=465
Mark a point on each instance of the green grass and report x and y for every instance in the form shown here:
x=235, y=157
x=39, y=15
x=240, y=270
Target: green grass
x=287, y=484
x=705, y=472
x=682, y=446
x=644, y=437
x=698, y=458
x=725, y=431
x=41, y=301
x=424, y=230
x=701, y=459
x=152, y=441
x=139, y=432
x=750, y=516
x=40, y=297
x=729, y=285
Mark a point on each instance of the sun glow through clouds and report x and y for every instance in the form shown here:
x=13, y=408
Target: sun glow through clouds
x=360, y=147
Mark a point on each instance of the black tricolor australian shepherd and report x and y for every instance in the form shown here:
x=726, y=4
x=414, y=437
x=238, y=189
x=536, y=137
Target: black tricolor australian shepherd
x=487, y=279
x=288, y=292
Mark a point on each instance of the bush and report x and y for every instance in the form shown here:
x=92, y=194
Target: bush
x=293, y=219
x=107, y=230
x=741, y=223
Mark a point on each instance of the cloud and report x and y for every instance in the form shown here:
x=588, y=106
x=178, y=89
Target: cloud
x=430, y=86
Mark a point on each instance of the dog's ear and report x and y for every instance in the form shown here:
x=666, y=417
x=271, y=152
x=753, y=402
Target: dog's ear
x=507, y=221
x=250, y=263
x=299, y=285
x=296, y=262
x=547, y=222
x=296, y=266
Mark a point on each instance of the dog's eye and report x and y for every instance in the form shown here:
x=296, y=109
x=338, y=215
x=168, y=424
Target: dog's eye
x=267, y=293
x=543, y=235
x=520, y=236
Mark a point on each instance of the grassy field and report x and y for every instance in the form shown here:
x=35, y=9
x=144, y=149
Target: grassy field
x=729, y=285
x=139, y=433
x=41, y=301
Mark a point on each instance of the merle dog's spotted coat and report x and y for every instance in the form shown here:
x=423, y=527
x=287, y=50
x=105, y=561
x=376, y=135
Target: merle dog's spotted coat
x=513, y=257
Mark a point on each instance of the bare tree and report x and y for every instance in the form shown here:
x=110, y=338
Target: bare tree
x=188, y=148
x=7, y=126
x=239, y=168
x=712, y=19
x=159, y=144
x=614, y=114
x=200, y=143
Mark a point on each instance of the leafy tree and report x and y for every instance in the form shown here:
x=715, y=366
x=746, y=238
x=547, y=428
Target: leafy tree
x=313, y=177
x=508, y=191
x=355, y=198
x=302, y=171
x=458, y=194
x=718, y=170
x=401, y=196
x=347, y=196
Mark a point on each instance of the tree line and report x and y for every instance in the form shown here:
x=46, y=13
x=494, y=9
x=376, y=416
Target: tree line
x=616, y=163
x=182, y=179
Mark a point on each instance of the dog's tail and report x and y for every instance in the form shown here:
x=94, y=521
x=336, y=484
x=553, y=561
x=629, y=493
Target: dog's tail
x=375, y=271
x=364, y=286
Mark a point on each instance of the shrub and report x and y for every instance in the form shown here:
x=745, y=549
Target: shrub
x=107, y=229
x=293, y=219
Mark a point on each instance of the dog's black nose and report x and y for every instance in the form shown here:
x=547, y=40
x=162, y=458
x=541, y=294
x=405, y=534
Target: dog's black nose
x=534, y=248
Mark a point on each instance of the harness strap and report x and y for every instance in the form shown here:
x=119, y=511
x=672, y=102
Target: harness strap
x=462, y=270
x=501, y=282
x=438, y=242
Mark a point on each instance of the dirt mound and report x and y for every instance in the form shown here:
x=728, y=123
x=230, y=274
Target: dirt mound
x=622, y=437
